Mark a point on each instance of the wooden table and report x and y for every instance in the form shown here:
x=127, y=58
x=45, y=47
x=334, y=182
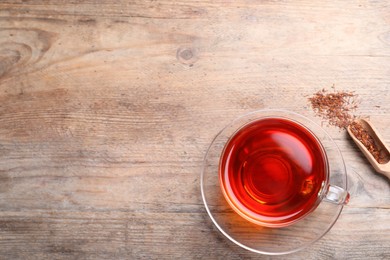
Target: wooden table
x=108, y=107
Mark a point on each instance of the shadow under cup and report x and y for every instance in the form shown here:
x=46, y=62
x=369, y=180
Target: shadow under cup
x=273, y=182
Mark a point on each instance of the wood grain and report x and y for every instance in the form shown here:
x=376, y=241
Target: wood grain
x=107, y=109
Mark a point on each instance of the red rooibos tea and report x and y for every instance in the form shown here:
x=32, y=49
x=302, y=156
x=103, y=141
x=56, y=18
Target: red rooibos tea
x=272, y=170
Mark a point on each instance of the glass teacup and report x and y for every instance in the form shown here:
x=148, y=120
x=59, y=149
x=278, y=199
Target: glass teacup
x=264, y=212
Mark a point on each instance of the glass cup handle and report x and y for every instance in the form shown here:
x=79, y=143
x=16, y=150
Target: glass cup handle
x=336, y=195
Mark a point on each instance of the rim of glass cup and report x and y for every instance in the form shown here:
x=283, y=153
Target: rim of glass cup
x=320, y=196
x=283, y=114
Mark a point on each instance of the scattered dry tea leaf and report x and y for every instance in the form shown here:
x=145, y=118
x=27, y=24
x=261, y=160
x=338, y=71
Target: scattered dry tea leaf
x=335, y=107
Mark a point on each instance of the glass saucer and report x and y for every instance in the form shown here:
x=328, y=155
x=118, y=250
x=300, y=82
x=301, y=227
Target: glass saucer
x=265, y=240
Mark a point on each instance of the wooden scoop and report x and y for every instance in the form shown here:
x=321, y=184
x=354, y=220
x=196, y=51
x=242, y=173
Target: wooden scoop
x=383, y=166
